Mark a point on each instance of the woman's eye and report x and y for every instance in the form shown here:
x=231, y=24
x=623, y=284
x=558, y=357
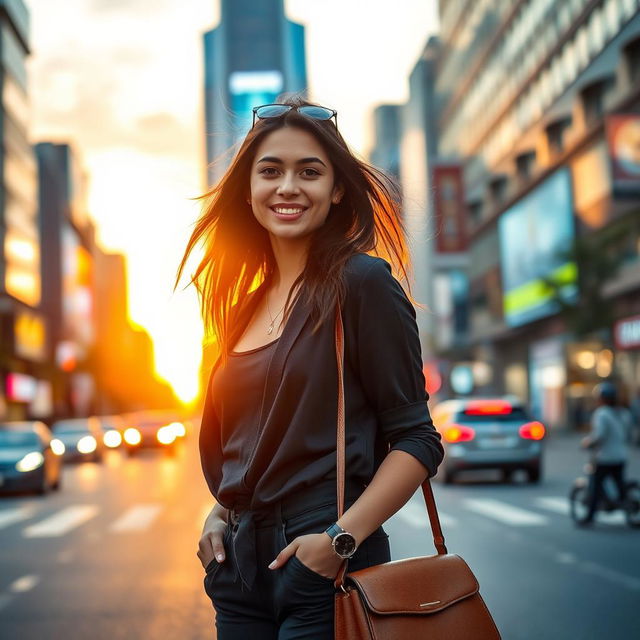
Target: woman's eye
x=269, y=171
x=311, y=173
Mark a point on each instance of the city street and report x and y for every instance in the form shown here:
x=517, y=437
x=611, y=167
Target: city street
x=112, y=556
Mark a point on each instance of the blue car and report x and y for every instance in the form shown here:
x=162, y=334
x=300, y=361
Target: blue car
x=30, y=458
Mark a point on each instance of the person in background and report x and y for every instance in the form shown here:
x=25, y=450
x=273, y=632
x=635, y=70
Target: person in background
x=609, y=440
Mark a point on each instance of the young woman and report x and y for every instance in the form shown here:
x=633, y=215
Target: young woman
x=287, y=235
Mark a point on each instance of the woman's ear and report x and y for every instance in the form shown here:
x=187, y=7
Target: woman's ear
x=338, y=193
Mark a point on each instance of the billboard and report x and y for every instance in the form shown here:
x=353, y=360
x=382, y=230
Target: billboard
x=533, y=234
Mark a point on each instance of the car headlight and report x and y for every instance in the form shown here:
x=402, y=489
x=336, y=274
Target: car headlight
x=112, y=439
x=166, y=434
x=87, y=444
x=132, y=436
x=57, y=446
x=179, y=429
x=30, y=461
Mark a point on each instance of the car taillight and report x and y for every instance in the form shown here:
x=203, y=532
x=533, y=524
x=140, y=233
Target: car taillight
x=532, y=431
x=458, y=433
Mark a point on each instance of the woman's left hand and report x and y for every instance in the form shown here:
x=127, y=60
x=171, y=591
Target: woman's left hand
x=314, y=550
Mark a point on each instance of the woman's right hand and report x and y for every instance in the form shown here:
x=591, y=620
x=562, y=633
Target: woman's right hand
x=210, y=545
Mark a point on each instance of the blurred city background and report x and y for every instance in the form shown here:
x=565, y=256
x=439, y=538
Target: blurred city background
x=513, y=129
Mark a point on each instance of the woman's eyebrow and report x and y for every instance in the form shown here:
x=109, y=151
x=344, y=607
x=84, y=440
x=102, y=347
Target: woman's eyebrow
x=274, y=160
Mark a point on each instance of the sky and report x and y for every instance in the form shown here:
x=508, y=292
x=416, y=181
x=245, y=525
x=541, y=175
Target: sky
x=121, y=81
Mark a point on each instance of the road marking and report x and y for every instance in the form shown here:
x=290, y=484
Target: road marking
x=505, y=513
x=61, y=522
x=557, y=504
x=136, y=518
x=11, y=516
x=415, y=514
x=609, y=574
x=26, y=583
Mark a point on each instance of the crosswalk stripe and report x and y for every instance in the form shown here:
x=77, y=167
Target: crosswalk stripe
x=11, y=516
x=505, y=513
x=415, y=514
x=556, y=504
x=61, y=522
x=136, y=518
x=26, y=583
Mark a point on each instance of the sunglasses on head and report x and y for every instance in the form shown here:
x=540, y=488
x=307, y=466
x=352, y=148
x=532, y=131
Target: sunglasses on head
x=268, y=111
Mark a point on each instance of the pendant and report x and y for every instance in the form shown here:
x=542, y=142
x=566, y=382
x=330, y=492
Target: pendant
x=270, y=330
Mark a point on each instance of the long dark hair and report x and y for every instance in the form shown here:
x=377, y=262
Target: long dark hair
x=237, y=251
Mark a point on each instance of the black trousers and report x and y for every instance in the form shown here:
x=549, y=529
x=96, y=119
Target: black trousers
x=290, y=603
x=616, y=471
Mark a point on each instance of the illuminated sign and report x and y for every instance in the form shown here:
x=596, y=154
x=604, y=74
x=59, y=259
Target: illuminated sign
x=627, y=333
x=21, y=387
x=30, y=335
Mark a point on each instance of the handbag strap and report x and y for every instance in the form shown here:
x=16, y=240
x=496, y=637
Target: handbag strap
x=432, y=511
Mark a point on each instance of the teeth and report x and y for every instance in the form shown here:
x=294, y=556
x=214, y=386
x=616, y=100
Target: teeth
x=287, y=211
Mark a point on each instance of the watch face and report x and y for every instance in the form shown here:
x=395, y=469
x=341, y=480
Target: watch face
x=344, y=544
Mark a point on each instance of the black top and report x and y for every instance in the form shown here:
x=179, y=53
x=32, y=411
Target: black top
x=236, y=403
x=385, y=397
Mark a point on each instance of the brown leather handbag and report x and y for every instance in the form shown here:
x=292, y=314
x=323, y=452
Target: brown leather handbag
x=431, y=598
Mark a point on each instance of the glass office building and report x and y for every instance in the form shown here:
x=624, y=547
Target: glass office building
x=252, y=56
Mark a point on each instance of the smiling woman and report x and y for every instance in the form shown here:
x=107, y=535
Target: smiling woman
x=286, y=235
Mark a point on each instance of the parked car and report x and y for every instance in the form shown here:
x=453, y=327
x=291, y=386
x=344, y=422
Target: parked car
x=150, y=430
x=30, y=459
x=82, y=438
x=488, y=433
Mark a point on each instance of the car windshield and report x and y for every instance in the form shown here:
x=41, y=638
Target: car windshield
x=70, y=427
x=480, y=415
x=18, y=439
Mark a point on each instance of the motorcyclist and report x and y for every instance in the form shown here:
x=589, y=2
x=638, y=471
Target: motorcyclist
x=609, y=440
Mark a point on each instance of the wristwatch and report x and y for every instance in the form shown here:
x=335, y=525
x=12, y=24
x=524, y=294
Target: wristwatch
x=343, y=543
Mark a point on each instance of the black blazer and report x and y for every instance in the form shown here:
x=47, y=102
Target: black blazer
x=385, y=397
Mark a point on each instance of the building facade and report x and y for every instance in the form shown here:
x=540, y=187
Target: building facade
x=25, y=378
x=538, y=104
x=252, y=56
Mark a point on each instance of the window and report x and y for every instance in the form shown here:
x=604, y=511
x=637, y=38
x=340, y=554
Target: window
x=632, y=61
x=475, y=211
x=525, y=165
x=498, y=189
x=556, y=135
x=593, y=98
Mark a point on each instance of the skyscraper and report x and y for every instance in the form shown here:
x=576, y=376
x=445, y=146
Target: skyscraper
x=253, y=55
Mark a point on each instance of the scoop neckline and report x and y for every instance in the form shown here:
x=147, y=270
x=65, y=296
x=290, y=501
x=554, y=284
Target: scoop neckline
x=249, y=351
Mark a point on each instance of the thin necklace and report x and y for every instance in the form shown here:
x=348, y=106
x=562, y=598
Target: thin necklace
x=273, y=320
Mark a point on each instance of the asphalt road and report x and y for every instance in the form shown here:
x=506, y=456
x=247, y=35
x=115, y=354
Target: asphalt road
x=112, y=556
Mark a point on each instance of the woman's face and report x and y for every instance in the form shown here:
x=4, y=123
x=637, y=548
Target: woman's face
x=292, y=184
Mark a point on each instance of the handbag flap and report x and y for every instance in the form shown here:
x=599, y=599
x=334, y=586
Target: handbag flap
x=415, y=585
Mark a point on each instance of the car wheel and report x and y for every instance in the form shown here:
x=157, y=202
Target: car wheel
x=507, y=475
x=534, y=474
x=44, y=487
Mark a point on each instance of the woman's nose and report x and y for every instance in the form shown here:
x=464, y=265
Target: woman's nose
x=288, y=186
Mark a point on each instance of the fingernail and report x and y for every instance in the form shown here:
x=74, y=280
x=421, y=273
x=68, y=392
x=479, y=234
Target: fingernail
x=219, y=557
x=272, y=565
